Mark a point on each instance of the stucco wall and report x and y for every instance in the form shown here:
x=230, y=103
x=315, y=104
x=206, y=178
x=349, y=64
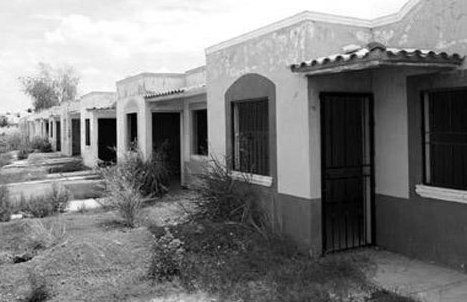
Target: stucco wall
x=432, y=24
x=270, y=56
x=140, y=84
x=195, y=77
x=190, y=164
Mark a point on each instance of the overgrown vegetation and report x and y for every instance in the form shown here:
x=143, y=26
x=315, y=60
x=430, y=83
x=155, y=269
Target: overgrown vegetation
x=167, y=258
x=43, y=236
x=49, y=204
x=225, y=195
x=236, y=263
x=227, y=250
x=39, y=290
x=132, y=180
x=5, y=204
x=42, y=144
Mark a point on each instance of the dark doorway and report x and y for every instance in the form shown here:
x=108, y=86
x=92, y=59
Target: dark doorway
x=107, y=139
x=75, y=137
x=347, y=171
x=58, y=137
x=166, y=133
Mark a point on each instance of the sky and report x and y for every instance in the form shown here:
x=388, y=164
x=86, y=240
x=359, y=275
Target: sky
x=108, y=40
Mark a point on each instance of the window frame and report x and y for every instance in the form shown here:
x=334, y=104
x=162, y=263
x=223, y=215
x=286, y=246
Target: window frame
x=235, y=144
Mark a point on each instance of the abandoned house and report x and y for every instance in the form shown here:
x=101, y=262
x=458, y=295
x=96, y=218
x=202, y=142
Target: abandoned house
x=98, y=128
x=353, y=131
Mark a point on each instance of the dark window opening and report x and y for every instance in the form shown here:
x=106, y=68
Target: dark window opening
x=51, y=129
x=132, y=123
x=250, y=121
x=47, y=129
x=87, y=125
x=445, y=139
x=200, y=132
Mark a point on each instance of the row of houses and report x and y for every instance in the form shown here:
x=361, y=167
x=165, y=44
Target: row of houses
x=353, y=131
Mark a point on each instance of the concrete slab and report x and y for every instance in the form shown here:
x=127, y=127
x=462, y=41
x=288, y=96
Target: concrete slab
x=80, y=187
x=87, y=204
x=420, y=280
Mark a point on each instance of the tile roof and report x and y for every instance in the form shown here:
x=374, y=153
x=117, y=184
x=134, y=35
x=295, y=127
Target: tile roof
x=375, y=55
x=104, y=107
x=181, y=92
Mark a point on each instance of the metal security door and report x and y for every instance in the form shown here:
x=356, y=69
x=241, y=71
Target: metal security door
x=347, y=171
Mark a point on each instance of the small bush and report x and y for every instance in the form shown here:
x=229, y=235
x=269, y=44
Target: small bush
x=41, y=144
x=167, y=257
x=39, y=291
x=49, y=204
x=148, y=176
x=235, y=263
x=23, y=153
x=124, y=198
x=225, y=197
x=5, y=159
x=14, y=140
x=59, y=197
x=5, y=204
x=43, y=236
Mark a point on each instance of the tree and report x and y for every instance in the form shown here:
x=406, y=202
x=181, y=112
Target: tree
x=50, y=86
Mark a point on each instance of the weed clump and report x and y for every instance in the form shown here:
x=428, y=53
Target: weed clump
x=43, y=236
x=39, y=290
x=49, y=204
x=41, y=144
x=226, y=195
x=148, y=176
x=167, y=257
x=6, y=207
x=132, y=180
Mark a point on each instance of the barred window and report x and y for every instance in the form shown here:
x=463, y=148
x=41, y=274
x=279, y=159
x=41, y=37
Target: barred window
x=250, y=121
x=445, y=139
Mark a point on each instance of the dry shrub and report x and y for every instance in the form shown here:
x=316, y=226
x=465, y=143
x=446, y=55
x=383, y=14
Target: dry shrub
x=41, y=144
x=39, y=290
x=43, y=235
x=235, y=263
x=226, y=197
x=6, y=207
x=148, y=176
x=49, y=204
x=167, y=257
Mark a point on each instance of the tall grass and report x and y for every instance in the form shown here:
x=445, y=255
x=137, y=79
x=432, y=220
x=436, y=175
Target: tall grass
x=42, y=144
x=53, y=202
x=45, y=235
x=225, y=195
x=6, y=206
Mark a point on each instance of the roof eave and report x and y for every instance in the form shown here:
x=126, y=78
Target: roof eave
x=183, y=95
x=372, y=64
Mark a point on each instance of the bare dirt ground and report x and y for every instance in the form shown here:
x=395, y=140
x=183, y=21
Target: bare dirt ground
x=99, y=260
